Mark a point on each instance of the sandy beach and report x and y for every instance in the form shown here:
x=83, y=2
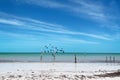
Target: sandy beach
x=59, y=71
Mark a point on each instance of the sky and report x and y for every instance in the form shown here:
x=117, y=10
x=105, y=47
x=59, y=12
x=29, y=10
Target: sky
x=74, y=25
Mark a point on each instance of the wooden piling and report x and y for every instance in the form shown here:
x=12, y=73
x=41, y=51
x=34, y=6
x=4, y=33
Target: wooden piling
x=41, y=58
x=110, y=59
x=114, y=59
x=53, y=56
x=75, y=58
x=106, y=59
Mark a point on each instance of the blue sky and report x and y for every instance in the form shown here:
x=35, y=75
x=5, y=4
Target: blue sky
x=74, y=25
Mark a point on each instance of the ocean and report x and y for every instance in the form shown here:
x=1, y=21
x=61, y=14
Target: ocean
x=60, y=57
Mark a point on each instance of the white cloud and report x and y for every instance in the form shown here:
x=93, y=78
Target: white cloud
x=46, y=3
x=12, y=22
x=18, y=35
x=36, y=25
x=91, y=9
x=52, y=37
x=73, y=40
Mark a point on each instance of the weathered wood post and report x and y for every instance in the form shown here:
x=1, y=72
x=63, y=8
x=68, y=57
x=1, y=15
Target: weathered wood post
x=53, y=56
x=114, y=59
x=41, y=58
x=75, y=58
x=110, y=58
x=106, y=59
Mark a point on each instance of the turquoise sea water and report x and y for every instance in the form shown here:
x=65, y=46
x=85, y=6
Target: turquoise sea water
x=61, y=57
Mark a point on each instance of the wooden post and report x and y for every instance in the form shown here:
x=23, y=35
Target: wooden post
x=106, y=59
x=110, y=58
x=75, y=58
x=53, y=56
x=114, y=59
x=41, y=58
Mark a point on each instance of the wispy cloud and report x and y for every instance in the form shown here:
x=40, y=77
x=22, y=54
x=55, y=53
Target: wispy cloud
x=94, y=10
x=70, y=39
x=40, y=26
x=91, y=9
x=45, y=3
x=18, y=35
x=78, y=41
x=52, y=37
x=12, y=22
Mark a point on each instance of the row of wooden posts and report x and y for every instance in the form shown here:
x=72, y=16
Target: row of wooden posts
x=110, y=59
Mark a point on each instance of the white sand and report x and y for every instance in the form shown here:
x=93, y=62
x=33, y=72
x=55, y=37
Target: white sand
x=57, y=71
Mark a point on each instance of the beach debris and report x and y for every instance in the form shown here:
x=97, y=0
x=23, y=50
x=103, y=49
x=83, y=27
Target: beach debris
x=19, y=76
x=114, y=74
x=55, y=75
x=11, y=76
x=83, y=77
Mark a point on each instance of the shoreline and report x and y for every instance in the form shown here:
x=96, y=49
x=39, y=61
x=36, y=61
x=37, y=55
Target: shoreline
x=117, y=62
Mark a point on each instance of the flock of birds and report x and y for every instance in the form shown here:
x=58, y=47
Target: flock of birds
x=51, y=50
